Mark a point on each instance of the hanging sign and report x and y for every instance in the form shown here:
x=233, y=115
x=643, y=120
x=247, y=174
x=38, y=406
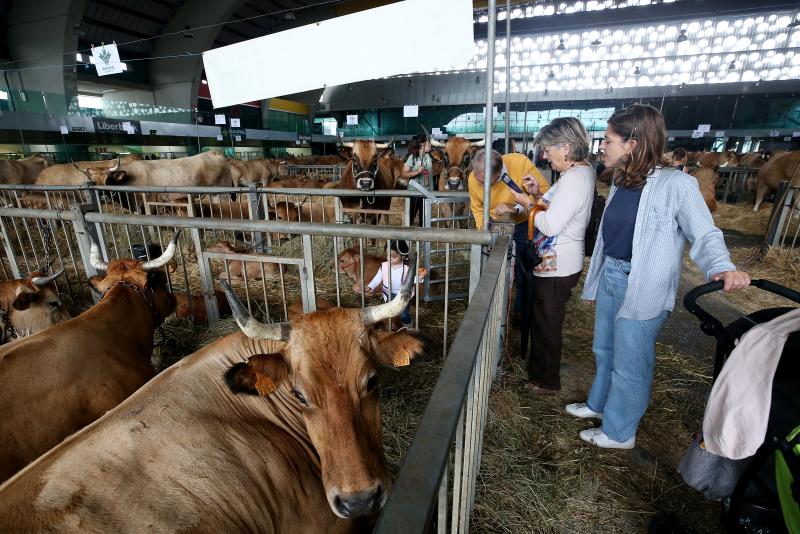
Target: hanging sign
x=352, y=120
x=219, y=118
x=411, y=111
x=236, y=123
x=436, y=132
x=237, y=138
x=720, y=133
x=219, y=137
x=106, y=60
x=787, y=138
x=697, y=134
x=64, y=129
x=795, y=134
x=775, y=133
x=704, y=128
x=671, y=139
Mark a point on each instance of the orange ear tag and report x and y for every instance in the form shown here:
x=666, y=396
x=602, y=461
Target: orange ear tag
x=264, y=385
x=401, y=360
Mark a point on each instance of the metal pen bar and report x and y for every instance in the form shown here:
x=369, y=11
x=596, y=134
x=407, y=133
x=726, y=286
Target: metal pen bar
x=411, y=503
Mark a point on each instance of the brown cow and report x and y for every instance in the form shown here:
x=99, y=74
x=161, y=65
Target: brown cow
x=308, y=211
x=22, y=171
x=457, y=154
x=197, y=310
x=706, y=179
x=350, y=264
x=275, y=429
x=80, y=172
x=784, y=166
x=75, y=371
x=368, y=171
x=715, y=160
x=253, y=269
x=30, y=305
x=753, y=159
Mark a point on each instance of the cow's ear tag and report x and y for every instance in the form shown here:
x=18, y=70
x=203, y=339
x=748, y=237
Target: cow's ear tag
x=264, y=385
x=401, y=359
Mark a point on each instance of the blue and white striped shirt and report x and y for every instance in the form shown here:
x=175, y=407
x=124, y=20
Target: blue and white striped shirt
x=671, y=211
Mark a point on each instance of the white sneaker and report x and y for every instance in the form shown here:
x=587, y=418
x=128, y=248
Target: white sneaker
x=579, y=409
x=596, y=436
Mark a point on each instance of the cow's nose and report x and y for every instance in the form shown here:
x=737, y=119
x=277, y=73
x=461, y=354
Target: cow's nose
x=359, y=503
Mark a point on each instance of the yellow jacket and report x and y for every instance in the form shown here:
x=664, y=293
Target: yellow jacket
x=518, y=166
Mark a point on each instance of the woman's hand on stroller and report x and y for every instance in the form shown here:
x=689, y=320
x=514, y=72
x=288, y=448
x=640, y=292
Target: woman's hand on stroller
x=732, y=280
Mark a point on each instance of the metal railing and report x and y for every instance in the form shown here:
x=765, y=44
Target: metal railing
x=736, y=181
x=332, y=173
x=783, y=229
x=454, y=420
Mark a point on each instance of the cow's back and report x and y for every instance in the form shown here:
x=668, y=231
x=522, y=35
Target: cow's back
x=182, y=453
x=206, y=169
x=784, y=166
x=58, y=381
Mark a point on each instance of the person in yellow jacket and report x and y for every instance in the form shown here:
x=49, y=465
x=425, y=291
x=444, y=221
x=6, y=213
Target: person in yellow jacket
x=502, y=206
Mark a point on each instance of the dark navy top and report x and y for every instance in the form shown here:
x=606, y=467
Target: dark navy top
x=619, y=221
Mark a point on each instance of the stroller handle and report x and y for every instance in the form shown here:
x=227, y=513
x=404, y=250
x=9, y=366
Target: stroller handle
x=690, y=300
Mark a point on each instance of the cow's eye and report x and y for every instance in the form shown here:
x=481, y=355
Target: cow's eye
x=300, y=398
x=54, y=304
x=372, y=383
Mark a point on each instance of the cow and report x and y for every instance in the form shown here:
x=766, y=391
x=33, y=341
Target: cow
x=784, y=166
x=457, y=153
x=368, y=171
x=22, y=171
x=258, y=170
x=295, y=308
x=753, y=159
x=72, y=373
x=350, y=264
x=276, y=428
x=306, y=211
x=706, y=179
x=78, y=173
x=715, y=160
x=253, y=269
x=194, y=306
x=30, y=305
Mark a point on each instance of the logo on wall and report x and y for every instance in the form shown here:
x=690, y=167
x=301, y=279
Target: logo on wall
x=103, y=125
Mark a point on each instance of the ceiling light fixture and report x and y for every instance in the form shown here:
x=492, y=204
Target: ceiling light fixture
x=561, y=45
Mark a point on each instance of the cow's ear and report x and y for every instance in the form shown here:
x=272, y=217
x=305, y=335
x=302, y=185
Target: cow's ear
x=24, y=301
x=117, y=178
x=259, y=375
x=399, y=349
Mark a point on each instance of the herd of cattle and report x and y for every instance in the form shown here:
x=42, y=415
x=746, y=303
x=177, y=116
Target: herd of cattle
x=275, y=429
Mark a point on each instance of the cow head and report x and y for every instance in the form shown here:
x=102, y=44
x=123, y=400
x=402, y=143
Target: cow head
x=457, y=152
x=101, y=175
x=729, y=159
x=364, y=161
x=37, y=304
x=147, y=276
x=327, y=364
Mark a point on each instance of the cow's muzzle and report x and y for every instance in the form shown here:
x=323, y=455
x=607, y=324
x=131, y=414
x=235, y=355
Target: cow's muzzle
x=365, y=184
x=453, y=184
x=359, y=503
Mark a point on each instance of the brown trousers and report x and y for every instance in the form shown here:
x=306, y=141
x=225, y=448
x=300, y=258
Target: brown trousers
x=548, y=309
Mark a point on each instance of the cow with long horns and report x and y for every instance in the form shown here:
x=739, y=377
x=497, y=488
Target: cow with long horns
x=30, y=305
x=369, y=171
x=72, y=373
x=273, y=429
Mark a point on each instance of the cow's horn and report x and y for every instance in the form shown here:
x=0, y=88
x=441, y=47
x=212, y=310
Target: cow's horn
x=95, y=258
x=252, y=328
x=478, y=144
x=377, y=313
x=381, y=146
x=165, y=257
x=84, y=171
x=41, y=281
x=115, y=167
x=349, y=144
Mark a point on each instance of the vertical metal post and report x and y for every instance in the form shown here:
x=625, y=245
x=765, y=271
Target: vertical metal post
x=475, y=257
x=508, y=75
x=83, y=235
x=487, y=164
x=309, y=293
x=12, y=259
x=256, y=214
x=204, y=269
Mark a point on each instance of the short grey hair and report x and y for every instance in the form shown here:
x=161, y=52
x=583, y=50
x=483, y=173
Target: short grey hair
x=479, y=157
x=569, y=131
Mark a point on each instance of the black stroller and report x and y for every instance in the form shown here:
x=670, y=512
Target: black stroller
x=766, y=496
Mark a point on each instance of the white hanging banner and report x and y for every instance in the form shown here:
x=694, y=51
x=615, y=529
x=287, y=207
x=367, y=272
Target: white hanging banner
x=787, y=138
x=704, y=128
x=775, y=133
x=352, y=120
x=697, y=134
x=219, y=118
x=64, y=129
x=232, y=78
x=106, y=60
x=410, y=111
x=671, y=139
x=236, y=123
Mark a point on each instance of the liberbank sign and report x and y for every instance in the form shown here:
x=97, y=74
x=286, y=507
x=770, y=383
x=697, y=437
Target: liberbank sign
x=104, y=125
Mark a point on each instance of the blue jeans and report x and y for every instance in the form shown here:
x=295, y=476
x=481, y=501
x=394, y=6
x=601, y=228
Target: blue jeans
x=522, y=294
x=624, y=351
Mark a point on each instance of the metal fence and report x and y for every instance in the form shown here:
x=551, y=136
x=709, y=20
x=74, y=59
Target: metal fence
x=56, y=225
x=736, y=181
x=331, y=173
x=783, y=229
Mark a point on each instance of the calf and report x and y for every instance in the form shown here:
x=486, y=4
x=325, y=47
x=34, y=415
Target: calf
x=194, y=306
x=30, y=305
x=350, y=264
x=253, y=269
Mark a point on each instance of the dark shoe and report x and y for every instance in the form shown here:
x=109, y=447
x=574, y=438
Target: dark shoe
x=536, y=389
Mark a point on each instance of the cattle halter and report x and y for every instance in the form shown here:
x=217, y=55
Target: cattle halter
x=147, y=295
